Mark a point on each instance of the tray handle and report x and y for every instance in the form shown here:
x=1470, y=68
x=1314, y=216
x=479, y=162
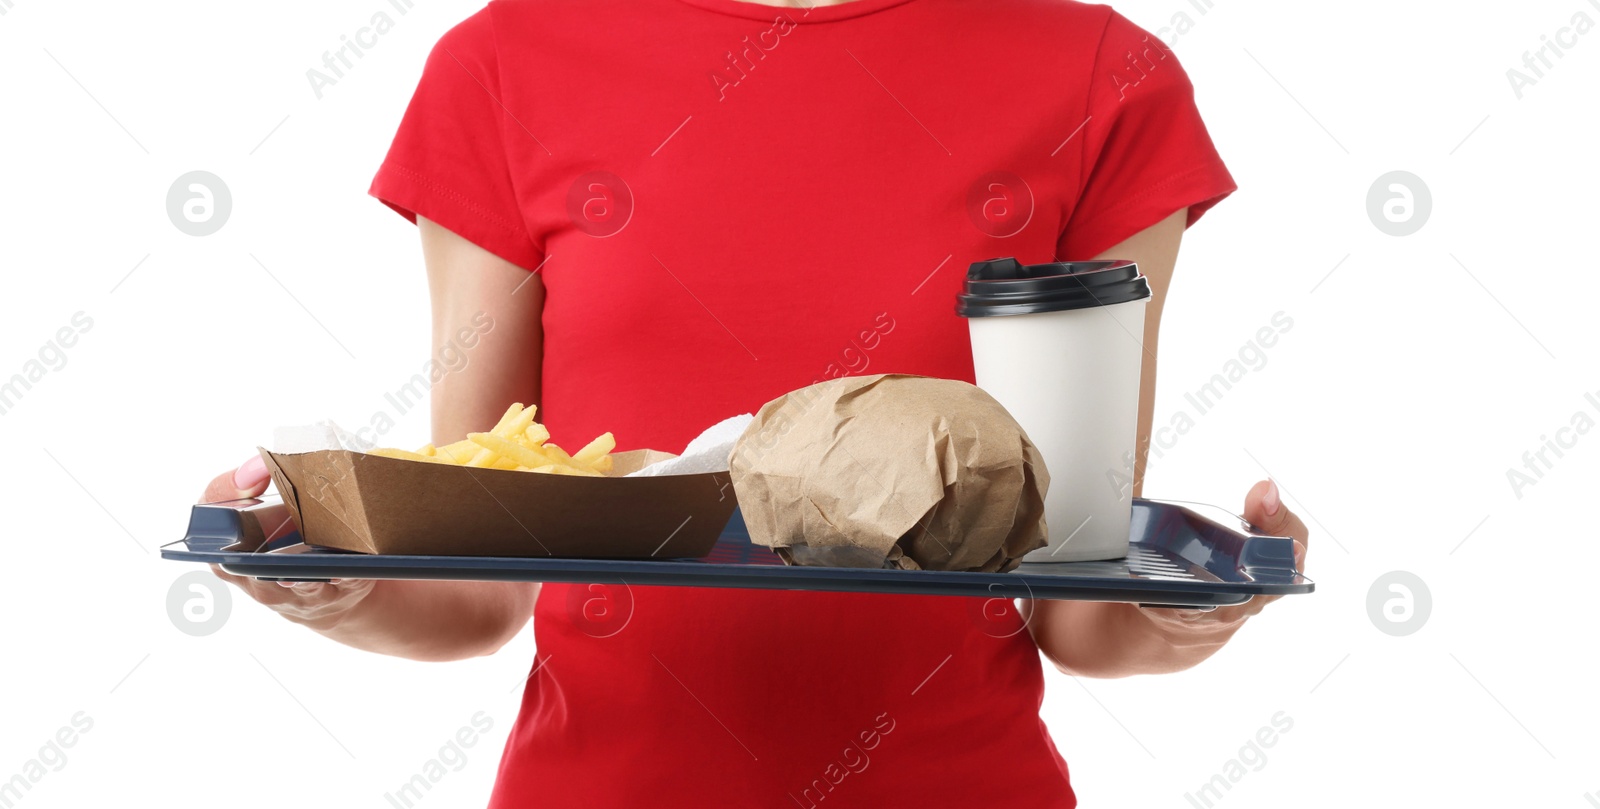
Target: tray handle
x=1262, y=556
x=245, y=526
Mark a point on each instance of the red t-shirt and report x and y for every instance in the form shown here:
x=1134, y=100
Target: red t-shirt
x=728, y=201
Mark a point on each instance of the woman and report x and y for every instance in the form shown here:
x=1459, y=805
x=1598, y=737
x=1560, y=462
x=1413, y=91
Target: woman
x=676, y=210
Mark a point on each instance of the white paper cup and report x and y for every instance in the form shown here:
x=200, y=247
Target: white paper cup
x=1060, y=345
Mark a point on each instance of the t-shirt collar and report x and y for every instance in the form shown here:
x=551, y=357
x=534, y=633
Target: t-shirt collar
x=800, y=14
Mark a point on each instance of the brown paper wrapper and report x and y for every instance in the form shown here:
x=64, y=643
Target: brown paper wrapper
x=891, y=471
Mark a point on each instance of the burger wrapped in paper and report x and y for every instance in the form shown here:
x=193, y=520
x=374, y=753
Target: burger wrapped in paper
x=891, y=471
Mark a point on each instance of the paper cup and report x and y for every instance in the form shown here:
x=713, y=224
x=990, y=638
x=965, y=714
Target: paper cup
x=1060, y=345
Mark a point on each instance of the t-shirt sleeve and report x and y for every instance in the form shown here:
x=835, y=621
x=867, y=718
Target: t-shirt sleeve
x=1145, y=151
x=448, y=160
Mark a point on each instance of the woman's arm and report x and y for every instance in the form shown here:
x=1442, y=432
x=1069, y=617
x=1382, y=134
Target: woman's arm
x=438, y=620
x=1094, y=639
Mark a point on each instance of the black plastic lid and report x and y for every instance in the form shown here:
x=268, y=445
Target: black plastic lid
x=1005, y=286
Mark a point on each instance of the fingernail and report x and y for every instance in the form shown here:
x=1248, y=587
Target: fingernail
x=250, y=474
x=1270, y=499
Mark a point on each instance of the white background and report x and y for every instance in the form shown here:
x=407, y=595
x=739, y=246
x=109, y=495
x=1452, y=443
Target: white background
x=1415, y=375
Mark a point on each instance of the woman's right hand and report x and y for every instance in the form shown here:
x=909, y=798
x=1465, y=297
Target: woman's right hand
x=317, y=605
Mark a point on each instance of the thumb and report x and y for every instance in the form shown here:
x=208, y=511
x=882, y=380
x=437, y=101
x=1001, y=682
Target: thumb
x=1264, y=509
x=249, y=480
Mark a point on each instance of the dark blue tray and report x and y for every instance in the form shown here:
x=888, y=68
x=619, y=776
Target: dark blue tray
x=1182, y=554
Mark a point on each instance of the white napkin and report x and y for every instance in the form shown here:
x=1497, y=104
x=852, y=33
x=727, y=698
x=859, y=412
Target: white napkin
x=708, y=452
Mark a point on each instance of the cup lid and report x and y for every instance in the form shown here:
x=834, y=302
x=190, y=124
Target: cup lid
x=1005, y=286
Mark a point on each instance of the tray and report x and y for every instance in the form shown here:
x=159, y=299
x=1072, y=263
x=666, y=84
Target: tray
x=1182, y=555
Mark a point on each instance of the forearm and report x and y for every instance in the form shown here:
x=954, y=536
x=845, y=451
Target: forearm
x=432, y=620
x=1094, y=639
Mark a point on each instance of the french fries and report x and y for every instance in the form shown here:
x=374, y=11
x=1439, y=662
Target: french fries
x=409, y=456
x=517, y=443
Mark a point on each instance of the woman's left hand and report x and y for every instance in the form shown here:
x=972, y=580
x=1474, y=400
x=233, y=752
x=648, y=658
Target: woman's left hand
x=1113, y=639
x=1265, y=511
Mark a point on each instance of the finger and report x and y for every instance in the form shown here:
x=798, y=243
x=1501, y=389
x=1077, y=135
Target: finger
x=250, y=479
x=250, y=585
x=1265, y=496
x=315, y=587
x=226, y=576
x=1264, y=509
x=259, y=590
